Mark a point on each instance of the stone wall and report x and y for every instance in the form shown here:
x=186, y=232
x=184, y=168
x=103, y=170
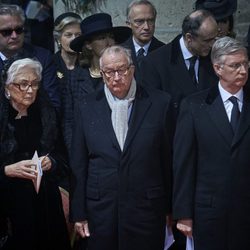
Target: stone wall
x=169, y=18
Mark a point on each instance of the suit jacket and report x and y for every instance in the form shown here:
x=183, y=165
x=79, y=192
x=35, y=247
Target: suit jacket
x=44, y=56
x=155, y=44
x=165, y=69
x=211, y=172
x=124, y=195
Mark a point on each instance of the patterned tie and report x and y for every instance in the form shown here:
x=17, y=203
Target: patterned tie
x=191, y=69
x=235, y=115
x=140, y=55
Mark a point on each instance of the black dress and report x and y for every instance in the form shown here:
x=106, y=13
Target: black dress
x=37, y=220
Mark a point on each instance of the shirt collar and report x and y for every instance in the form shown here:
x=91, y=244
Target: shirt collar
x=225, y=94
x=185, y=52
x=2, y=56
x=145, y=47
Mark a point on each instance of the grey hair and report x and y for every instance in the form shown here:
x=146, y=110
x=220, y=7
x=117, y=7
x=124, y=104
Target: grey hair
x=12, y=10
x=139, y=2
x=116, y=49
x=17, y=65
x=58, y=29
x=225, y=46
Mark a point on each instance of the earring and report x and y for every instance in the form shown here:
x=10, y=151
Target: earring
x=7, y=95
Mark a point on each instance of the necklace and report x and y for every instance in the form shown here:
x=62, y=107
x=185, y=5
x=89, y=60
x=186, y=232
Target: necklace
x=95, y=73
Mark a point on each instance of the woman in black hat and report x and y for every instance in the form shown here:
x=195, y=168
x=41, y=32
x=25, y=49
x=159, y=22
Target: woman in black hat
x=97, y=34
x=223, y=11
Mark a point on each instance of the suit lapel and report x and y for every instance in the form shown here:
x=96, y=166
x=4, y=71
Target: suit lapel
x=218, y=114
x=244, y=122
x=139, y=110
x=179, y=70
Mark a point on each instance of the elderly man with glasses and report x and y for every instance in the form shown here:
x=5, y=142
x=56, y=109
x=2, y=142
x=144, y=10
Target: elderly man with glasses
x=12, y=47
x=120, y=161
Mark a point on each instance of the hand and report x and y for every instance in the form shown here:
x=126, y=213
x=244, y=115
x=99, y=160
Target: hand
x=21, y=169
x=185, y=226
x=82, y=228
x=46, y=163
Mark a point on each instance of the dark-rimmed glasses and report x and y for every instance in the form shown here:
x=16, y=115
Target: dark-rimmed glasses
x=8, y=32
x=120, y=72
x=24, y=86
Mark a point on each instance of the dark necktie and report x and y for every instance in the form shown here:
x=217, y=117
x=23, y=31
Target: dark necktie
x=235, y=115
x=191, y=69
x=140, y=55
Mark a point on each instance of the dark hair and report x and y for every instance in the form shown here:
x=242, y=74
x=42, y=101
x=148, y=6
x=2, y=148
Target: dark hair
x=193, y=21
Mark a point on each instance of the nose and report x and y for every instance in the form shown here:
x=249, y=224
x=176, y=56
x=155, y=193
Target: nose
x=13, y=34
x=29, y=90
x=243, y=69
x=145, y=25
x=116, y=76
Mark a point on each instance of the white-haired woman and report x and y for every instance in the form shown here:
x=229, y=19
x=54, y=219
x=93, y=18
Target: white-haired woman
x=28, y=124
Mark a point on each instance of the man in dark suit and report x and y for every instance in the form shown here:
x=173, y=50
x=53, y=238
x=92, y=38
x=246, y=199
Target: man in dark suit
x=120, y=161
x=141, y=17
x=12, y=47
x=169, y=68
x=211, y=156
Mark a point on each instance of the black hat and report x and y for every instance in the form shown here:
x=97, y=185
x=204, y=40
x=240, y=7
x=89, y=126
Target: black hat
x=221, y=9
x=64, y=15
x=96, y=24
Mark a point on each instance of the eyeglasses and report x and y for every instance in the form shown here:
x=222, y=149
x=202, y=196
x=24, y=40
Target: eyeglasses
x=140, y=22
x=120, y=72
x=24, y=86
x=237, y=66
x=8, y=32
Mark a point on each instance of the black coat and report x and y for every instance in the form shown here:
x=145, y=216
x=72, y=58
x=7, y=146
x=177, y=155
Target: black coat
x=37, y=220
x=211, y=172
x=125, y=196
x=165, y=69
x=80, y=84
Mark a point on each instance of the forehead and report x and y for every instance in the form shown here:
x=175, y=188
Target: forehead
x=10, y=21
x=114, y=59
x=236, y=57
x=26, y=73
x=141, y=10
x=208, y=29
x=71, y=26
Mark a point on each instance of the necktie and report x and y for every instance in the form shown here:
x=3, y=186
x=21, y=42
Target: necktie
x=140, y=55
x=235, y=114
x=191, y=69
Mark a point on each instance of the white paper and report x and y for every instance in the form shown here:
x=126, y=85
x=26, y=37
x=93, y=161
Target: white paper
x=190, y=243
x=169, y=238
x=37, y=166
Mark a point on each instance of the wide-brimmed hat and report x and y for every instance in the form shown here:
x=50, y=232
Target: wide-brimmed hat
x=64, y=15
x=97, y=24
x=221, y=9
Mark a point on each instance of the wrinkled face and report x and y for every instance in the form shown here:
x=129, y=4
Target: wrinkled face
x=100, y=42
x=11, y=35
x=142, y=23
x=23, y=89
x=70, y=32
x=201, y=44
x=233, y=72
x=117, y=74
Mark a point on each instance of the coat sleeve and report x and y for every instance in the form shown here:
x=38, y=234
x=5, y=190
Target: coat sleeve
x=184, y=164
